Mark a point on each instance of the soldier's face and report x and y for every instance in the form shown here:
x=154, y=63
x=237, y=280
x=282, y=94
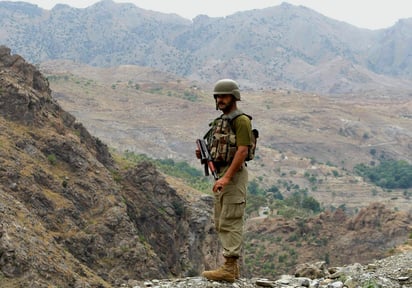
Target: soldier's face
x=224, y=102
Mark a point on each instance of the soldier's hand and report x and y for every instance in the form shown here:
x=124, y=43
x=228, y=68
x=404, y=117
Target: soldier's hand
x=198, y=153
x=220, y=184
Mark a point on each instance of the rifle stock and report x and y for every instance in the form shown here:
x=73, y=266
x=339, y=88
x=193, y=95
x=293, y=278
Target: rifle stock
x=206, y=158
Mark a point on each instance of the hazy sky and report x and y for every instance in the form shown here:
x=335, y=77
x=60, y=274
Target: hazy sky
x=372, y=14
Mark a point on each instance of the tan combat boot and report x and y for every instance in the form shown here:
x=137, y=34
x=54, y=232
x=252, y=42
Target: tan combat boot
x=227, y=272
x=237, y=273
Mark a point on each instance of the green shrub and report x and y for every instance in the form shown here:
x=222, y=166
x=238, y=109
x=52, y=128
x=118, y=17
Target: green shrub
x=52, y=159
x=390, y=174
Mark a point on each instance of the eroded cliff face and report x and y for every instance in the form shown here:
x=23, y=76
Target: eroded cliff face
x=70, y=215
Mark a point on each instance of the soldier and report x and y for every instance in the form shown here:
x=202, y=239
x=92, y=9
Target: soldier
x=229, y=141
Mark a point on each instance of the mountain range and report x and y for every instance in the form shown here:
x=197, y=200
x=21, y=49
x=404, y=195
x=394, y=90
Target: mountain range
x=284, y=46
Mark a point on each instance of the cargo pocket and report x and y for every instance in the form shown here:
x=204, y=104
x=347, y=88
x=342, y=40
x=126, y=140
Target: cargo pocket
x=233, y=207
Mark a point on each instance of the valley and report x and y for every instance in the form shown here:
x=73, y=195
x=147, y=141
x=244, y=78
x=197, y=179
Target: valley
x=309, y=140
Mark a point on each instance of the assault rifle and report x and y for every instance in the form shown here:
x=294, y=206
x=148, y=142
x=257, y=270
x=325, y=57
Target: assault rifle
x=206, y=158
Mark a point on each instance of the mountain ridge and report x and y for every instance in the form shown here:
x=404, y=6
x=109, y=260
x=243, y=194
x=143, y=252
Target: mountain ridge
x=284, y=46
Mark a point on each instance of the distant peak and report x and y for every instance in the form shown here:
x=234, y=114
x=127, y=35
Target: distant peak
x=105, y=3
x=286, y=5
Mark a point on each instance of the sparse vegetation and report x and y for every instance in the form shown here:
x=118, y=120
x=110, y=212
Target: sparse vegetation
x=116, y=176
x=190, y=96
x=52, y=159
x=370, y=284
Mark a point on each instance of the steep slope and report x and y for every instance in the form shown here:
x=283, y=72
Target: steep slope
x=70, y=216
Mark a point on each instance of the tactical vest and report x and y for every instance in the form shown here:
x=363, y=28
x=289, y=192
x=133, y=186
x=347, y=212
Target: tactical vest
x=221, y=139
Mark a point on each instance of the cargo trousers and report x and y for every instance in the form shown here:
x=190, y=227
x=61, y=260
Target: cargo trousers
x=229, y=212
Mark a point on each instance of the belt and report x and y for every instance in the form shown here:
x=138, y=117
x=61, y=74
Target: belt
x=222, y=167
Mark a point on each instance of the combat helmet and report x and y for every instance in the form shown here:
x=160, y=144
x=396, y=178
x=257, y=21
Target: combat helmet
x=227, y=86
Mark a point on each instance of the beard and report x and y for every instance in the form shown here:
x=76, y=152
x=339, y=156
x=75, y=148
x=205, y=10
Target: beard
x=225, y=107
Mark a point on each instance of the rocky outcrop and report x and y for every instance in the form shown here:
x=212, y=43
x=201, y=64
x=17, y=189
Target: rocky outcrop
x=25, y=97
x=390, y=272
x=178, y=229
x=25, y=93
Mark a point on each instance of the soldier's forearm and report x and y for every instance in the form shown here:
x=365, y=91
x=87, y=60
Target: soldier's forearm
x=237, y=162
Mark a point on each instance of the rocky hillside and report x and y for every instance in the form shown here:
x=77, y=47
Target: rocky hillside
x=283, y=46
x=70, y=216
